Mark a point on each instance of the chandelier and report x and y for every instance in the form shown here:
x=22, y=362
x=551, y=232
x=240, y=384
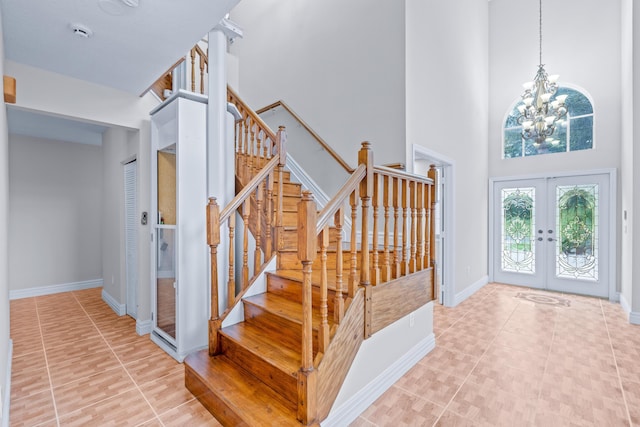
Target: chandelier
x=539, y=113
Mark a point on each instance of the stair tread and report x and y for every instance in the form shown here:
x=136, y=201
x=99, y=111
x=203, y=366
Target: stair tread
x=265, y=345
x=285, y=308
x=257, y=403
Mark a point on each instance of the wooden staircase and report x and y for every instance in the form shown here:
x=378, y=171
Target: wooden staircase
x=285, y=361
x=253, y=381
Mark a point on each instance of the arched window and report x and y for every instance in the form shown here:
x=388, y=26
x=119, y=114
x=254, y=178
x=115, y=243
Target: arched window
x=575, y=131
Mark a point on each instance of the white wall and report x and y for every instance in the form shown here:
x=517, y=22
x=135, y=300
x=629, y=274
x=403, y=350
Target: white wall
x=4, y=234
x=447, y=112
x=627, y=153
x=339, y=65
x=584, y=51
x=55, y=212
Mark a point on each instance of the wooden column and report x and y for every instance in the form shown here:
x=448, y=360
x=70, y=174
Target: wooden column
x=307, y=238
x=365, y=156
x=281, y=149
x=213, y=239
x=338, y=305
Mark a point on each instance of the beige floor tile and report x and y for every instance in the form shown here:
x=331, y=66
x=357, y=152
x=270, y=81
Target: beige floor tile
x=451, y=362
x=492, y=406
x=89, y=390
x=63, y=334
x=137, y=349
x=190, y=414
x=464, y=343
x=397, y=407
x=32, y=410
x=632, y=396
x=523, y=342
x=498, y=355
x=153, y=367
x=167, y=393
x=429, y=383
x=28, y=362
x=93, y=357
x=361, y=422
x=28, y=383
x=524, y=383
x=451, y=419
x=126, y=409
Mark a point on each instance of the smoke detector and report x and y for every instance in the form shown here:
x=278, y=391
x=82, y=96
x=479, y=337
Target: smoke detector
x=81, y=30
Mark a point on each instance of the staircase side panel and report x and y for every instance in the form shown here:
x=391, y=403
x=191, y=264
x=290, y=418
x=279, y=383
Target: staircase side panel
x=393, y=300
x=337, y=361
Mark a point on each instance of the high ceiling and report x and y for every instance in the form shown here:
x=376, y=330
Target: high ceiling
x=129, y=48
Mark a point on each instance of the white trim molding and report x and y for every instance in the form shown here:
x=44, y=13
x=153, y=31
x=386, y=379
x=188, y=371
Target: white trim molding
x=144, y=327
x=634, y=316
x=6, y=401
x=359, y=402
x=120, y=309
x=470, y=290
x=54, y=289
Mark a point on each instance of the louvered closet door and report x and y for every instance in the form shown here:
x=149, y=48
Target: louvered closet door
x=131, y=236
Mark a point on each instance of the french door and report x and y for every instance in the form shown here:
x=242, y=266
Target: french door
x=553, y=233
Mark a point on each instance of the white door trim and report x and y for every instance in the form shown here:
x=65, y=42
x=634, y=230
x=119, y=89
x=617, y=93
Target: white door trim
x=419, y=152
x=613, y=209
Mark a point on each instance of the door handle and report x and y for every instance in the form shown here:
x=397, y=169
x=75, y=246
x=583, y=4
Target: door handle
x=551, y=239
x=540, y=239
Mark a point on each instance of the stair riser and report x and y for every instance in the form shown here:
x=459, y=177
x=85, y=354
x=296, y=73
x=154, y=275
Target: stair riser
x=285, y=383
x=290, y=331
x=290, y=261
x=289, y=189
x=292, y=290
x=215, y=404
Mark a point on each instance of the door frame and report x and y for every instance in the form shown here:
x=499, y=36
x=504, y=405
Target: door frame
x=418, y=152
x=613, y=209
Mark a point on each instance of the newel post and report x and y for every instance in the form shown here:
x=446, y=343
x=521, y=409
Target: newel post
x=307, y=240
x=281, y=149
x=365, y=156
x=213, y=239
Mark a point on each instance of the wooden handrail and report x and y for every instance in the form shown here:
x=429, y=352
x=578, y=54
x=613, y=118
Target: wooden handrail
x=235, y=99
x=317, y=137
x=395, y=173
x=250, y=187
x=336, y=202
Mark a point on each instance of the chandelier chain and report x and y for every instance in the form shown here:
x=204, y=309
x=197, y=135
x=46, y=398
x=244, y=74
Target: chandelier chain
x=540, y=31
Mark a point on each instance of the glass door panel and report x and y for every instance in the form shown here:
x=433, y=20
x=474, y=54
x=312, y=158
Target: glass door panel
x=579, y=254
x=517, y=232
x=550, y=233
x=166, y=280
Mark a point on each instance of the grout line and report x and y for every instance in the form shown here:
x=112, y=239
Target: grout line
x=121, y=364
x=46, y=362
x=615, y=361
x=546, y=363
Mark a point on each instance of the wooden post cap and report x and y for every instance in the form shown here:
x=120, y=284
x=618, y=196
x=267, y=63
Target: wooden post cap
x=9, y=89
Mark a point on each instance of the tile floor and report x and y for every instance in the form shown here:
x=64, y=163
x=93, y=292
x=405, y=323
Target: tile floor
x=75, y=363
x=507, y=356
x=511, y=356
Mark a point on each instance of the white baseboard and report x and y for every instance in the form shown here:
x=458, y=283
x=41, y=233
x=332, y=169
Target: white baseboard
x=359, y=402
x=634, y=316
x=144, y=327
x=6, y=401
x=54, y=289
x=470, y=290
x=120, y=309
